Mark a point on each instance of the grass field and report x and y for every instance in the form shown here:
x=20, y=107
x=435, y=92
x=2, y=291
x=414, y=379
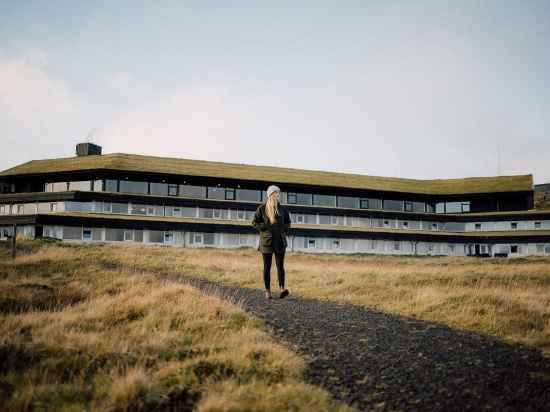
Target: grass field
x=507, y=298
x=96, y=328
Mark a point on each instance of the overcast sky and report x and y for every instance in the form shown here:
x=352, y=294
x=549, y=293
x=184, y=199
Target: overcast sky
x=419, y=89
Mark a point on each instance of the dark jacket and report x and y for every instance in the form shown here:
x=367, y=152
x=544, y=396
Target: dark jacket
x=272, y=236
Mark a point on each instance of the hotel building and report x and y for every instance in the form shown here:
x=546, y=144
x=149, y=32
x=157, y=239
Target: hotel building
x=96, y=197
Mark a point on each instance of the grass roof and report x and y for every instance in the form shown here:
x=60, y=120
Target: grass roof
x=272, y=174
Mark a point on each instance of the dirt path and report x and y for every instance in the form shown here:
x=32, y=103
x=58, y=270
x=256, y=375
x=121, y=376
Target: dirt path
x=375, y=360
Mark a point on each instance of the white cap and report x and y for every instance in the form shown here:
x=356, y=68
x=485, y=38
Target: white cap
x=272, y=189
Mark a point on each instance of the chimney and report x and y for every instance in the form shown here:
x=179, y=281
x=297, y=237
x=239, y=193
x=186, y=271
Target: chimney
x=87, y=149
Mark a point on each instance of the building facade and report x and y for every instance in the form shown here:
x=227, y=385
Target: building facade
x=194, y=203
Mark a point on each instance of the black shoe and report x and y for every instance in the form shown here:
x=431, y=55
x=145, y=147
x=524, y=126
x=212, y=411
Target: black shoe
x=284, y=294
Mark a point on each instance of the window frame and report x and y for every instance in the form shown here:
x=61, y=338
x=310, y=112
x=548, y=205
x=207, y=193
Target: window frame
x=173, y=186
x=230, y=193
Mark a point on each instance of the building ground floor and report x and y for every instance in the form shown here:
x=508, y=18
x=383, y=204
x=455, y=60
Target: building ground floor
x=317, y=243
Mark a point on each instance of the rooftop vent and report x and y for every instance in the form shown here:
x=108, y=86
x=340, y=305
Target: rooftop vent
x=87, y=149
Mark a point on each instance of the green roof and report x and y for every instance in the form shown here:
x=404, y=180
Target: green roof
x=272, y=174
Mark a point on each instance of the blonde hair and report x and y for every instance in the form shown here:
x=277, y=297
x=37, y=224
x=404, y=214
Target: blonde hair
x=271, y=207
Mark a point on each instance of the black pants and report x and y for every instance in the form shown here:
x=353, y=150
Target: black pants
x=279, y=261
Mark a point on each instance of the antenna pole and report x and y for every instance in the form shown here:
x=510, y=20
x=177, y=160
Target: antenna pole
x=498, y=158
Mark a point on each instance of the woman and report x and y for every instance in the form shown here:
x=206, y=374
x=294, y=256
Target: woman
x=273, y=222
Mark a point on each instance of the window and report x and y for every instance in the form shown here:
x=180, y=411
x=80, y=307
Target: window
x=206, y=213
x=216, y=193
x=138, y=209
x=158, y=189
x=120, y=208
x=405, y=224
x=324, y=200
x=172, y=211
x=197, y=192
x=128, y=235
x=409, y=207
x=336, y=244
x=299, y=218
x=540, y=248
x=451, y=248
x=310, y=244
x=393, y=205
x=87, y=234
x=440, y=207
x=373, y=244
x=310, y=219
x=514, y=249
x=196, y=238
x=107, y=207
x=53, y=207
x=172, y=190
x=98, y=185
x=538, y=225
x=349, y=202
x=375, y=203
x=292, y=198
x=128, y=186
x=97, y=233
x=168, y=237
x=396, y=246
x=189, y=212
x=230, y=194
x=453, y=207
x=84, y=186
x=155, y=210
x=386, y=223
x=114, y=235
x=335, y=220
x=73, y=233
x=547, y=249
x=364, y=203
x=208, y=238
x=138, y=235
x=465, y=207
x=248, y=195
x=514, y=225
x=60, y=186
x=419, y=207
x=477, y=226
x=217, y=214
x=324, y=219
x=430, y=208
x=156, y=236
x=111, y=185
x=303, y=199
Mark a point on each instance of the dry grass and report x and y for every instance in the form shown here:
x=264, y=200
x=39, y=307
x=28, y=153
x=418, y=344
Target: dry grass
x=92, y=327
x=507, y=298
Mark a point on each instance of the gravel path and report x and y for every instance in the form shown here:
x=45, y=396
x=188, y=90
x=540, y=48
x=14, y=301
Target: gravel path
x=377, y=361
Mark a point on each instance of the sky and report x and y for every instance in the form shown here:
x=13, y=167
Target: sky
x=415, y=89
